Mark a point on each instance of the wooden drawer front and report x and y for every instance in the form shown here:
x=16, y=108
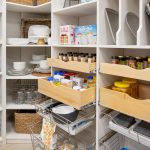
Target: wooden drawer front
x=66, y=95
x=125, y=104
x=72, y=65
x=125, y=71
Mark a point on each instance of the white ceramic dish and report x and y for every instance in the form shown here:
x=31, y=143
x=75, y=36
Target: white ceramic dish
x=113, y=22
x=19, y=66
x=17, y=41
x=44, y=64
x=132, y=21
x=38, y=57
x=24, y=72
x=42, y=70
x=34, y=62
x=63, y=109
x=38, y=31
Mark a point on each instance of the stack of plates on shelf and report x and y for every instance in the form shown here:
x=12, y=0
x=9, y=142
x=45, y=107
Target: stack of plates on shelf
x=40, y=70
x=24, y=72
x=17, y=41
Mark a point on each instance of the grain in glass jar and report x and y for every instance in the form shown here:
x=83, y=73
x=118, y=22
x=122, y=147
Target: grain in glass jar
x=60, y=56
x=75, y=57
x=115, y=59
x=82, y=58
x=65, y=57
x=70, y=57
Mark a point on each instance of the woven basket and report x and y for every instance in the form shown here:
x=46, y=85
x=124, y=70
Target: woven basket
x=29, y=2
x=26, y=23
x=24, y=123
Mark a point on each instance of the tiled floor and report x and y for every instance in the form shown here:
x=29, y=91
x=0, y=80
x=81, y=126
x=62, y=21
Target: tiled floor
x=16, y=147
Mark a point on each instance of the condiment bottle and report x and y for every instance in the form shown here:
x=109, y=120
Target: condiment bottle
x=132, y=62
x=70, y=57
x=89, y=59
x=75, y=57
x=145, y=62
x=148, y=62
x=82, y=58
x=115, y=59
x=139, y=63
x=60, y=56
x=122, y=60
x=90, y=81
x=65, y=58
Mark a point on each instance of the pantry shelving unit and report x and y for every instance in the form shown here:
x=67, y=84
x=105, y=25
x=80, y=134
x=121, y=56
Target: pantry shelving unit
x=106, y=73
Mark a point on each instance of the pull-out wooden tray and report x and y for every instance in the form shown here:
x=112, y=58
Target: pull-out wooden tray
x=66, y=95
x=72, y=65
x=125, y=71
x=124, y=103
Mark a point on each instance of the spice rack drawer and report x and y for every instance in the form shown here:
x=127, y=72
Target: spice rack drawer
x=72, y=65
x=125, y=71
x=124, y=103
x=66, y=95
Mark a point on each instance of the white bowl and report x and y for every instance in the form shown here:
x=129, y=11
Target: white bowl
x=44, y=65
x=19, y=66
x=39, y=31
x=17, y=41
x=38, y=57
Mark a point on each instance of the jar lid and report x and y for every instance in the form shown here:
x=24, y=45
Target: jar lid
x=114, y=57
x=50, y=78
x=90, y=77
x=121, y=85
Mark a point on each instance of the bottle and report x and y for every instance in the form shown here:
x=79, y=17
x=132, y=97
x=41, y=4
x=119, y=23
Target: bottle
x=89, y=59
x=90, y=81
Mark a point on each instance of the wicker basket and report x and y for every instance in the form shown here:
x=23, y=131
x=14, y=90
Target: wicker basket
x=24, y=122
x=26, y=23
x=29, y=2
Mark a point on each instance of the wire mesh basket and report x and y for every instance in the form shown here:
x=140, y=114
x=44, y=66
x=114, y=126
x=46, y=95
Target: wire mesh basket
x=61, y=141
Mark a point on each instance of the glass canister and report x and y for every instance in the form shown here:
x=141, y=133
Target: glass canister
x=122, y=60
x=139, y=63
x=115, y=59
x=132, y=62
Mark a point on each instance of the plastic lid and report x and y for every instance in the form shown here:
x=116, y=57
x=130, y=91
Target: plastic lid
x=56, y=73
x=124, y=148
x=90, y=77
x=50, y=78
x=121, y=85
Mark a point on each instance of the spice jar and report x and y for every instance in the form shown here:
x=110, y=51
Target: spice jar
x=89, y=59
x=75, y=57
x=82, y=58
x=93, y=57
x=60, y=56
x=148, y=62
x=86, y=57
x=115, y=59
x=139, y=63
x=132, y=62
x=122, y=60
x=127, y=60
x=65, y=57
x=70, y=57
x=145, y=62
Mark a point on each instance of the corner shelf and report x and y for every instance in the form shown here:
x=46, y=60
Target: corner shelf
x=23, y=77
x=66, y=95
x=125, y=71
x=124, y=103
x=72, y=65
x=83, y=9
x=14, y=7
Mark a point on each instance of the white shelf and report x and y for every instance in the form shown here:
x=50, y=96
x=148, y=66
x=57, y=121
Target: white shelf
x=28, y=45
x=13, y=106
x=79, y=10
x=126, y=46
x=1, y=108
x=44, y=8
x=86, y=46
x=13, y=137
x=23, y=77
